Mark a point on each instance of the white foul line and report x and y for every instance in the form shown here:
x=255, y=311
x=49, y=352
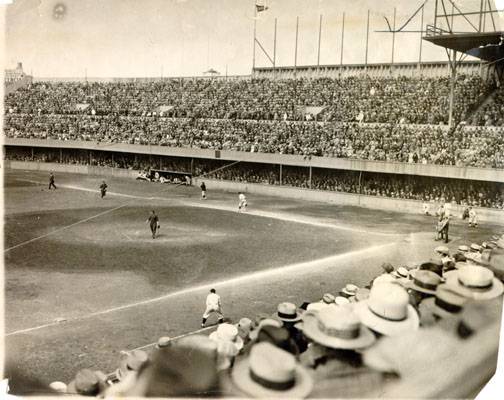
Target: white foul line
x=304, y=267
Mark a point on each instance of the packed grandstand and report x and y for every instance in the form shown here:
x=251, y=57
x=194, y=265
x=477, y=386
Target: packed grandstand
x=393, y=119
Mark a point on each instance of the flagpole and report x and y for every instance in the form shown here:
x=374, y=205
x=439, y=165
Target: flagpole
x=367, y=41
x=421, y=42
x=393, y=38
x=319, y=38
x=342, y=41
x=274, y=49
x=254, y=47
x=296, y=47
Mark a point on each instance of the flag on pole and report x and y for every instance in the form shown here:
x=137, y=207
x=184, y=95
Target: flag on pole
x=260, y=8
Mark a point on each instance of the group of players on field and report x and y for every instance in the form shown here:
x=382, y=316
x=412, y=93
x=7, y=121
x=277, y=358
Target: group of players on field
x=153, y=219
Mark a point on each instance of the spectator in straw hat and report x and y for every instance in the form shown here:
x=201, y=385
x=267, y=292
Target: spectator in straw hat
x=245, y=326
x=279, y=337
x=423, y=284
x=349, y=291
x=132, y=363
x=185, y=369
x=494, y=261
x=164, y=341
x=289, y=314
x=435, y=266
x=447, y=303
x=475, y=282
x=229, y=344
x=387, y=310
x=271, y=372
x=326, y=300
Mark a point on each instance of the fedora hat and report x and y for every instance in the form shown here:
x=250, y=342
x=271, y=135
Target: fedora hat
x=227, y=333
x=463, y=248
x=475, y=282
x=387, y=310
x=349, y=290
x=446, y=303
x=271, y=372
x=442, y=250
x=288, y=312
x=424, y=282
x=337, y=328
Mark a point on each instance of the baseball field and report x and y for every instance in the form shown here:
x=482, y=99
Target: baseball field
x=85, y=281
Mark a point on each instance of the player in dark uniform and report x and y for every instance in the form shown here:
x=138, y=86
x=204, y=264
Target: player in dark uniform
x=103, y=189
x=154, y=223
x=51, y=181
x=203, y=190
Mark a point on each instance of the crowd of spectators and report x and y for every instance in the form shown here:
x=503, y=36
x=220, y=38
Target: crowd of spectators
x=462, y=146
x=349, y=342
x=492, y=113
x=392, y=100
x=422, y=188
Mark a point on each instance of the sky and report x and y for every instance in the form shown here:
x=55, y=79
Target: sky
x=152, y=38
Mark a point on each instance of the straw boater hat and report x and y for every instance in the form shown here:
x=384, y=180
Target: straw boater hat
x=59, y=387
x=362, y=294
x=288, y=312
x=270, y=372
x=327, y=299
x=401, y=272
x=384, y=278
x=446, y=303
x=164, y=341
x=349, y=290
x=475, y=247
x=442, y=250
x=387, y=310
x=474, y=282
x=341, y=301
x=463, y=248
x=227, y=339
x=424, y=282
x=337, y=328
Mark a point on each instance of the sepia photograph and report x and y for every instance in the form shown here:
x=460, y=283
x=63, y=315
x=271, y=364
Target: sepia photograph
x=252, y=198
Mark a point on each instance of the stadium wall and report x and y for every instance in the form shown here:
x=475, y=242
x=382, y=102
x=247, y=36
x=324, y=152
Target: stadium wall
x=373, y=202
x=442, y=171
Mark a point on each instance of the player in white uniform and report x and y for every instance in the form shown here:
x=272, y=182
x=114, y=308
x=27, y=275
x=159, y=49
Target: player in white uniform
x=242, y=202
x=473, y=218
x=213, y=305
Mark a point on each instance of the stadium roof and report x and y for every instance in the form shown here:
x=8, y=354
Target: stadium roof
x=487, y=46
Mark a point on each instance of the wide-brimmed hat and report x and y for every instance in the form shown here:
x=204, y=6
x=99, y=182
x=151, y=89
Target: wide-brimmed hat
x=387, y=310
x=401, y=272
x=446, y=303
x=164, y=341
x=442, y=250
x=227, y=334
x=337, y=328
x=87, y=383
x=273, y=373
x=463, y=248
x=424, y=282
x=288, y=312
x=474, y=282
x=328, y=298
x=341, y=301
x=493, y=260
x=475, y=247
x=349, y=290
x=435, y=266
x=133, y=362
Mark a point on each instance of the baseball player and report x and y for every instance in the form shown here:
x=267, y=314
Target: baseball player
x=213, y=305
x=473, y=218
x=103, y=189
x=242, y=202
x=153, y=221
x=203, y=191
x=51, y=182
